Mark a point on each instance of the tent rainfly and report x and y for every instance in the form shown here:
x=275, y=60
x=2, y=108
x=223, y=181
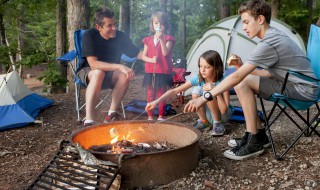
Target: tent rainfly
x=18, y=105
x=228, y=37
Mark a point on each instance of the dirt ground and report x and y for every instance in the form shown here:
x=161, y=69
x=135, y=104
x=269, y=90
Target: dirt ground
x=25, y=151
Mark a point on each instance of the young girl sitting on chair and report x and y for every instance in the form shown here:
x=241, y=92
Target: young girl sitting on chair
x=217, y=111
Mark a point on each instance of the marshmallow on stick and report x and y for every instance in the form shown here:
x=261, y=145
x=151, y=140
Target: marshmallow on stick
x=233, y=60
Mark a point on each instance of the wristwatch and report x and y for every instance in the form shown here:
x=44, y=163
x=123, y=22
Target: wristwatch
x=208, y=96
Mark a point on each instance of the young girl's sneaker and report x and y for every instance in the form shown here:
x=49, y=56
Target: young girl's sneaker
x=150, y=118
x=218, y=130
x=200, y=125
x=161, y=119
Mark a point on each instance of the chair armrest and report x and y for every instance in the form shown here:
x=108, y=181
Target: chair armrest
x=303, y=76
x=187, y=73
x=299, y=75
x=70, y=56
x=128, y=59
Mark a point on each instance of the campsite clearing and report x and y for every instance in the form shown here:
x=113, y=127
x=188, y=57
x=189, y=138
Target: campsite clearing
x=25, y=151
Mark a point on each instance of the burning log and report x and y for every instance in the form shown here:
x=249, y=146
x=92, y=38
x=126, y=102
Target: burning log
x=101, y=148
x=128, y=147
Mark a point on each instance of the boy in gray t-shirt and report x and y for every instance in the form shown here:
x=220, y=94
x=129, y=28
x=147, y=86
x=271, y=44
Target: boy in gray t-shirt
x=277, y=53
x=274, y=55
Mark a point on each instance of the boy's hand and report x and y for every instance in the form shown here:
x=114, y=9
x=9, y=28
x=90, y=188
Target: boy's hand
x=235, y=61
x=194, y=104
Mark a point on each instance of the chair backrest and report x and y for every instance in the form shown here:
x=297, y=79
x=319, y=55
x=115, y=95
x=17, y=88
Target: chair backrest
x=179, y=75
x=78, y=36
x=313, y=49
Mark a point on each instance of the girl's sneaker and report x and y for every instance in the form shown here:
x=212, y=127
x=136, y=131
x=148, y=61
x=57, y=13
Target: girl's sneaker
x=218, y=130
x=150, y=118
x=161, y=119
x=200, y=125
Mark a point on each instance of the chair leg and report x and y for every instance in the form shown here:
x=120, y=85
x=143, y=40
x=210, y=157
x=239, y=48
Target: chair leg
x=77, y=96
x=267, y=127
x=303, y=130
x=182, y=97
x=123, y=111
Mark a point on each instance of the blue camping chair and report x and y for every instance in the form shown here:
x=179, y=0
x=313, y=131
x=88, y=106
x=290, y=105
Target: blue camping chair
x=283, y=102
x=74, y=59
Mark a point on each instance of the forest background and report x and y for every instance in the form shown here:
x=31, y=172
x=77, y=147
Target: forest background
x=36, y=32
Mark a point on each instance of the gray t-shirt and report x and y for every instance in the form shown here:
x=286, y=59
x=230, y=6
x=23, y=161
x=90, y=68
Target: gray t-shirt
x=277, y=53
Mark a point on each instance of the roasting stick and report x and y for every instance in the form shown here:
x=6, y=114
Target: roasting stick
x=169, y=118
x=114, y=132
x=152, y=124
x=138, y=115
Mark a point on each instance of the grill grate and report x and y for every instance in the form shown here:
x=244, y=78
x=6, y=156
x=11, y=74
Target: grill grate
x=67, y=171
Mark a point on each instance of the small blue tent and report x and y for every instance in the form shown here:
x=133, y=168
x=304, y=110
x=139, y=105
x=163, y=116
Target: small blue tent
x=19, y=106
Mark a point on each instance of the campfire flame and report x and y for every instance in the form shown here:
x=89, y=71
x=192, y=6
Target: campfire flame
x=124, y=137
x=124, y=143
x=116, y=136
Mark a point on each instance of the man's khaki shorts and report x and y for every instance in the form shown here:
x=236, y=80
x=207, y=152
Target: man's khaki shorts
x=107, y=82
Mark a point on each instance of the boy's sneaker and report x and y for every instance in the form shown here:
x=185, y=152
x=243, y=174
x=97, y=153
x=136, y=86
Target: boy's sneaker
x=252, y=148
x=218, y=130
x=113, y=117
x=200, y=125
x=240, y=141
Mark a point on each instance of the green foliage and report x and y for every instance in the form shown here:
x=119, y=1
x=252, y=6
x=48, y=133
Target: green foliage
x=52, y=77
x=295, y=14
x=4, y=55
x=34, y=22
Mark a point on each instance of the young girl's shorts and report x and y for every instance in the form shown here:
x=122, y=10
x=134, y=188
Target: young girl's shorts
x=224, y=117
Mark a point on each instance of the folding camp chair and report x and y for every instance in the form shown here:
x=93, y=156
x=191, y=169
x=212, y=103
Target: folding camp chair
x=74, y=59
x=283, y=102
x=179, y=74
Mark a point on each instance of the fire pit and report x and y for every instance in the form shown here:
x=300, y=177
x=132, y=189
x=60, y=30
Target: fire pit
x=147, y=169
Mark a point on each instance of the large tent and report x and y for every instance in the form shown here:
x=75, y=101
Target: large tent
x=19, y=106
x=228, y=37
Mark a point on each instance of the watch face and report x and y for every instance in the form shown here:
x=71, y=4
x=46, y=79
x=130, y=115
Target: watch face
x=208, y=96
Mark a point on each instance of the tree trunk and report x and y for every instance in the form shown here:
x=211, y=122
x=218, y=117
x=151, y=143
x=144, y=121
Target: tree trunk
x=170, y=18
x=318, y=22
x=124, y=17
x=18, y=54
x=309, y=6
x=61, y=43
x=78, y=18
x=3, y=67
x=12, y=60
x=225, y=9
x=275, y=8
x=20, y=40
x=184, y=30
x=78, y=14
x=163, y=5
x=2, y=42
